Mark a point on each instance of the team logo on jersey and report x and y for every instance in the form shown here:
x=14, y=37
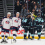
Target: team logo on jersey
x=7, y=22
x=16, y=21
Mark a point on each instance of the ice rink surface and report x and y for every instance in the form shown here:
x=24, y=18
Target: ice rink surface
x=25, y=42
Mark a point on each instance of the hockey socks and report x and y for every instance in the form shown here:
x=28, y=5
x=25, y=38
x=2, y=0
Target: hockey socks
x=5, y=40
x=25, y=34
x=29, y=36
x=39, y=37
x=25, y=37
x=14, y=37
x=32, y=36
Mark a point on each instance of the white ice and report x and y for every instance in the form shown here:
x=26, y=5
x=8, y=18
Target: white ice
x=25, y=42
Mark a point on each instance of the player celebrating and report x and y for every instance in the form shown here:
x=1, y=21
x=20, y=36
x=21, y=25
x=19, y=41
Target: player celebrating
x=16, y=23
x=26, y=26
x=6, y=24
x=32, y=27
x=39, y=23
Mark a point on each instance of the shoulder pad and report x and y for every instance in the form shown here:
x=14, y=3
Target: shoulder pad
x=10, y=18
x=14, y=16
x=20, y=18
x=4, y=17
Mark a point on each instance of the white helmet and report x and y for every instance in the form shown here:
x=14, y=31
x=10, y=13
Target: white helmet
x=17, y=13
x=9, y=13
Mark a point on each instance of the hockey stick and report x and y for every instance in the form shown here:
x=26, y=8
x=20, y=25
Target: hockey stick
x=11, y=36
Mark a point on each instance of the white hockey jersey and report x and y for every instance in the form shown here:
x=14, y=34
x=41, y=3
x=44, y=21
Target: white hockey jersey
x=6, y=23
x=16, y=22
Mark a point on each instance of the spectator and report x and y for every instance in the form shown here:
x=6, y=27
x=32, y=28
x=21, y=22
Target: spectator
x=25, y=5
x=33, y=12
x=18, y=7
x=33, y=6
x=23, y=11
x=28, y=12
x=36, y=9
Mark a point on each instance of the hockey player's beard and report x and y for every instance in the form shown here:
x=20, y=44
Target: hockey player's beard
x=8, y=16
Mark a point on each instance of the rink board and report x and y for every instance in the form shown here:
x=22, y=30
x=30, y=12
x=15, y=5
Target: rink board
x=19, y=37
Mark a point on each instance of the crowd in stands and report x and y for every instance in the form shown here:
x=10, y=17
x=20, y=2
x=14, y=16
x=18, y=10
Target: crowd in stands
x=33, y=7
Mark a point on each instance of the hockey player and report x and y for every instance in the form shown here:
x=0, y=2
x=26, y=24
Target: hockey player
x=25, y=24
x=39, y=23
x=16, y=23
x=32, y=27
x=6, y=24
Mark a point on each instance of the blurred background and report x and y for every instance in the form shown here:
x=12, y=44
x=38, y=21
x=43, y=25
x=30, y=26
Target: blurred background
x=23, y=6
x=34, y=7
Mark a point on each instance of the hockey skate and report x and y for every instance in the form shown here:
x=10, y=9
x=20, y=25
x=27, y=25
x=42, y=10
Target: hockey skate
x=38, y=38
x=32, y=38
x=29, y=38
x=5, y=41
x=2, y=41
x=7, y=38
x=14, y=40
x=25, y=38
